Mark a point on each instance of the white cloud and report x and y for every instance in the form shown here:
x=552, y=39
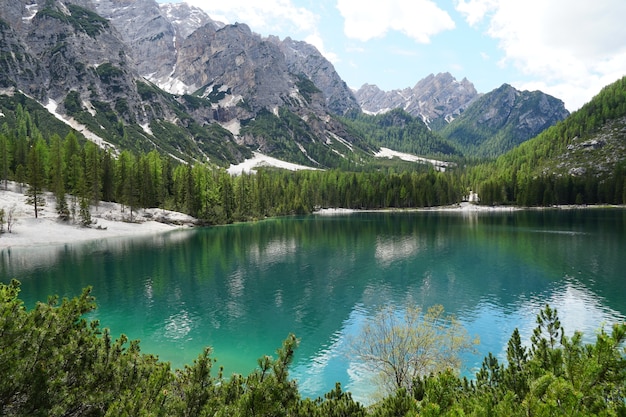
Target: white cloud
x=370, y=19
x=316, y=40
x=567, y=48
x=270, y=17
x=265, y=17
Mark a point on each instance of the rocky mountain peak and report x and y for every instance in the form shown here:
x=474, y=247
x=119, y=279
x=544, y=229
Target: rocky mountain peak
x=437, y=99
x=186, y=19
x=304, y=59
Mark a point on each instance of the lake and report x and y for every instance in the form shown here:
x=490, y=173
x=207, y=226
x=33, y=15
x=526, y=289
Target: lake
x=243, y=288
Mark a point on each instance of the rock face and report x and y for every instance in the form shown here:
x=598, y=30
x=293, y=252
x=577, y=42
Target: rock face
x=93, y=60
x=59, y=47
x=502, y=119
x=149, y=35
x=182, y=50
x=238, y=62
x=437, y=99
x=154, y=32
x=304, y=58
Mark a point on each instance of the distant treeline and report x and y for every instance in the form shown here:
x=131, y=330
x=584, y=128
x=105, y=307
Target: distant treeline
x=89, y=174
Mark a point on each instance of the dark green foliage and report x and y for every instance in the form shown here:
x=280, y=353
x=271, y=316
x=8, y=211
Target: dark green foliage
x=37, y=174
x=194, y=102
x=147, y=91
x=306, y=87
x=55, y=362
x=108, y=72
x=72, y=103
x=281, y=133
x=558, y=376
x=495, y=123
x=37, y=114
x=402, y=132
x=80, y=18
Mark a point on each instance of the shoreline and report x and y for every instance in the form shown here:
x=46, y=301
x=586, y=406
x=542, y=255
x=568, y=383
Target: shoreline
x=465, y=207
x=110, y=220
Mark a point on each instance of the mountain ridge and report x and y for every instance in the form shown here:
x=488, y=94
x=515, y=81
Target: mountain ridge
x=141, y=74
x=437, y=99
x=502, y=119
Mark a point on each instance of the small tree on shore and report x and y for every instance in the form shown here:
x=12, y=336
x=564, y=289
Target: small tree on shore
x=400, y=346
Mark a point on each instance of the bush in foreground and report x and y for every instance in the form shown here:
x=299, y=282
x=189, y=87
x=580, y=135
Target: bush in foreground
x=53, y=362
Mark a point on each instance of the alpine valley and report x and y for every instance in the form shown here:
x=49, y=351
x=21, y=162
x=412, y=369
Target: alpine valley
x=135, y=112
x=138, y=75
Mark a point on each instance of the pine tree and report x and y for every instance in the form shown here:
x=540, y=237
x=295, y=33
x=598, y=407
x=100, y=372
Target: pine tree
x=36, y=175
x=57, y=182
x=6, y=157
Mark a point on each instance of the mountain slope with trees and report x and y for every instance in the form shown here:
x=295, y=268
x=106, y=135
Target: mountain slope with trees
x=502, y=119
x=209, y=91
x=90, y=71
x=581, y=160
x=400, y=131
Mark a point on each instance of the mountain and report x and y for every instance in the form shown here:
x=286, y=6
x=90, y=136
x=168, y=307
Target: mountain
x=581, y=159
x=303, y=58
x=137, y=75
x=480, y=125
x=437, y=99
x=502, y=119
x=398, y=130
x=75, y=63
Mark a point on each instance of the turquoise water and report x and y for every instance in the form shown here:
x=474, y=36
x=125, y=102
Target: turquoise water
x=243, y=288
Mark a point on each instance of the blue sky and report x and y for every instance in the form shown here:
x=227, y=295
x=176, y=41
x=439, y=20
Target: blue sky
x=567, y=48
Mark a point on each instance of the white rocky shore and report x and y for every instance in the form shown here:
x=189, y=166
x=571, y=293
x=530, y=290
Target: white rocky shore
x=109, y=221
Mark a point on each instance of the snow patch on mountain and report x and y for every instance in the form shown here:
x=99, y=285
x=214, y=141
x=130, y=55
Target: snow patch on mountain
x=259, y=161
x=52, y=105
x=389, y=153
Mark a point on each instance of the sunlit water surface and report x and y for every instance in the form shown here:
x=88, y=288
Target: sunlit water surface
x=243, y=288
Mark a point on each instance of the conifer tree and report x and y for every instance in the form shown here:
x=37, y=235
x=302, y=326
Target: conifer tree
x=57, y=172
x=36, y=175
x=6, y=157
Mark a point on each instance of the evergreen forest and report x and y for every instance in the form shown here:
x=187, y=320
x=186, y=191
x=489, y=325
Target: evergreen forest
x=80, y=173
x=538, y=172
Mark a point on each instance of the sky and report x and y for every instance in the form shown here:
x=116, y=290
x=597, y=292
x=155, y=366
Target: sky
x=566, y=48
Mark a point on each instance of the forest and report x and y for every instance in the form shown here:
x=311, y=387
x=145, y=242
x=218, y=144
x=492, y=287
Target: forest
x=82, y=174
x=54, y=362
